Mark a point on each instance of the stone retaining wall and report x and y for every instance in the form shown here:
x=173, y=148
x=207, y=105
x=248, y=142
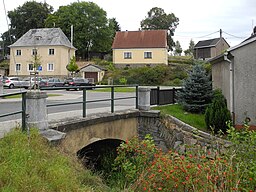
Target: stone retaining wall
x=170, y=133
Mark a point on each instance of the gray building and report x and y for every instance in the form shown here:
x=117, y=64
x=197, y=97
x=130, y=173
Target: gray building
x=210, y=48
x=234, y=73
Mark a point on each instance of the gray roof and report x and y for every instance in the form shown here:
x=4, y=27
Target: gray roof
x=207, y=43
x=43, y=37
x=245, y=42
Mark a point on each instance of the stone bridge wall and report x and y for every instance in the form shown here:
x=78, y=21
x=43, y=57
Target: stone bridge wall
x=167, y=131
x=171, y=133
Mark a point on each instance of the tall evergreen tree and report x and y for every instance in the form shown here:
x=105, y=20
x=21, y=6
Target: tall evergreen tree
x=197, y=92
x=178, y=49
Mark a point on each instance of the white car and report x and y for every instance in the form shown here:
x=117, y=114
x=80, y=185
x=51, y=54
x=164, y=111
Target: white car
x=13, y=82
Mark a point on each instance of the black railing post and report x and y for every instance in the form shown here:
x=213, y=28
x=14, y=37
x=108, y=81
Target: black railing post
x=158, y=95
x=112, y=99
x=137, y=97
x=23, y=114
x=84, y=102
x=173, y=95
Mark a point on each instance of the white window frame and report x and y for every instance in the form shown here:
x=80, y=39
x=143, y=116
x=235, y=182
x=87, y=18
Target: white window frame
x=50, y=68
x=127, y=55
x=51, y=51
x=29, y=64
x=34, y=52
x=18, y=68
x=18, y=52
x=148, y=55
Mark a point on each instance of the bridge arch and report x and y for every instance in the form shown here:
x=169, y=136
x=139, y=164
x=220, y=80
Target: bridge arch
x=83, y=132
x=99, y=153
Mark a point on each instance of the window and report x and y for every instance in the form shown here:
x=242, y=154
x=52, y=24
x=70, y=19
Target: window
x=147, y=55
x=18, y=66
x=51, y=51
x=34, y=51
x=50, y=67
x=18, y=52
x=127, y=55
x=30, y=67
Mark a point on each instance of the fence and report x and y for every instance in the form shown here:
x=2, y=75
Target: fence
x=112, y=99
x=163, y=96
x=23, y=107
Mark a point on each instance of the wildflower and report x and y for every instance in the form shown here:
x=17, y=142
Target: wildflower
x=160, y=188
x=144, y=188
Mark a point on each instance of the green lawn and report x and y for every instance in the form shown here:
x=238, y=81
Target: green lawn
x=195, y=120
x=117, y=89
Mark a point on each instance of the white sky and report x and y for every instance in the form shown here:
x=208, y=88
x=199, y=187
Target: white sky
x=198, y=18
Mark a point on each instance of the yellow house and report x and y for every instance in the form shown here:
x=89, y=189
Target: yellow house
x=50, y=45
x=140, y=48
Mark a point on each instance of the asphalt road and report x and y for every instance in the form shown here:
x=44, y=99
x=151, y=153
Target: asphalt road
x=9, y=107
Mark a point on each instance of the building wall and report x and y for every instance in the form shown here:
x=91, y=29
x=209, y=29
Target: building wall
x=219, y=49
x=159, y=56
x=59, y=60
x=221, y=79
x=244, y=83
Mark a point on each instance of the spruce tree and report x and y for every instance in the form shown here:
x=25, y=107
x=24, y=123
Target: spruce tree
x=197, y=91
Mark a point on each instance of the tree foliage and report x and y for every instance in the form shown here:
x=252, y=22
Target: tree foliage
x=197, y=91
x=92, y=31
x=72, y=66
x=158, y=19
x=30, y=15
x=178, y=49
x=190, y=50
x=217, y=114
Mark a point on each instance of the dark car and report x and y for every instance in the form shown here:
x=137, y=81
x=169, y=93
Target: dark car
x=55, y=82
x=32, y=82
x=77, y=82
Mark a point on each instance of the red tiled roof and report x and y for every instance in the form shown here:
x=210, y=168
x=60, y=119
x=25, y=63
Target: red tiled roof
x=140, y=39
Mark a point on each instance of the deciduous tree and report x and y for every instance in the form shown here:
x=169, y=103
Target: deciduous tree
x=158, y=19
x=72, y=66
x=190, y=50
x=92, y=31
x=30, y=15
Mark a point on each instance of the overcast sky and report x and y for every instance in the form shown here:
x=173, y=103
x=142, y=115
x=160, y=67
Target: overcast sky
x=198, y=18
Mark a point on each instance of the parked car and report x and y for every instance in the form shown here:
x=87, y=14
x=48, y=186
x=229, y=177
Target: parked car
x=13, y=82
x=55, y=82
x=71, y=82
x=32, y=82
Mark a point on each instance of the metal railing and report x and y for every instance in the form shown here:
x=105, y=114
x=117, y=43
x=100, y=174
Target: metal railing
x=23, y=107
x=84, y=102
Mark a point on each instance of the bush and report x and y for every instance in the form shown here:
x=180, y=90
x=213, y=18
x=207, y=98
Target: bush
x=217, y=114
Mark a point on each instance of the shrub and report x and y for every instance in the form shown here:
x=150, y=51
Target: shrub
x=133, y=157
x=197, y=92
x=217, y=114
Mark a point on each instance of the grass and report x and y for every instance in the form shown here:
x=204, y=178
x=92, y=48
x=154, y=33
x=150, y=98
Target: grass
x=117, y=89
x=29, y=163
x=19, y=96
x=195, y=120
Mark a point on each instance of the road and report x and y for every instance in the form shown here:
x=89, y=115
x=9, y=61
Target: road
x=68, y=97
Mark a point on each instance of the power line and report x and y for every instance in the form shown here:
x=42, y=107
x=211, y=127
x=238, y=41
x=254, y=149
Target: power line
x=234, y=35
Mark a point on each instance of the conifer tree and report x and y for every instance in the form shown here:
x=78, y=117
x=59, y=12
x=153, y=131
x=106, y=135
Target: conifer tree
x=197, y=91
x=217, y=114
